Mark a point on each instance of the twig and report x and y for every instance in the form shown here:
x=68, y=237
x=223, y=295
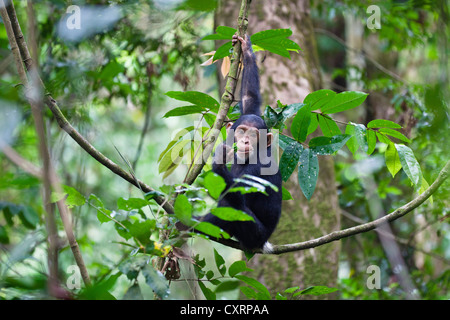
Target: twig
x=375, y=63
x=50, y=221
x=15, y=38
x=65, y=124
x=337, y=235
x=227, y=97
x=22, y=163
x=145, y=127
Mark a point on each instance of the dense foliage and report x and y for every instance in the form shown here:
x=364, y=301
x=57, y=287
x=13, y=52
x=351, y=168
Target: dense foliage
x=133, y=85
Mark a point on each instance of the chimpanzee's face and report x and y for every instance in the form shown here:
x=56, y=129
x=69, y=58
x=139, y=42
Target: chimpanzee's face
x=246, y=139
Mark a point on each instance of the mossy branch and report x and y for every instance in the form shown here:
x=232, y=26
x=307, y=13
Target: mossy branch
x=365, y=227
x=227, y=97
x=61, y=119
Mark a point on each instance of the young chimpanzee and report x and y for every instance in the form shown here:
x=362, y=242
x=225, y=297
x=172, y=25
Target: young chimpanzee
x=252, y=157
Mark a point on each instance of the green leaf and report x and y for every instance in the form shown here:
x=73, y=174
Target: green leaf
x=275, y=41
x=328, y=145
x=183, y=209
x=410, y=165
x=215, y=184
x=262, y=181
x=279, y=296
x=290, y=110
x=272, y=47
x=291, y=290
x=352, y=143
x=4, y=238
x=380, y=123
x=254, y=186
x=382, y=138
x=220, y=263
x=319, y=98
x=142, y=230
x=279, y=44
x=231, y=214
x=178, y=136
x=255, y=284
x=316, y=291
x=276, y=119
x=249, y=293
x=100, y=290
x=112, y=69
x=246, y=189
x=286, y=195
x=227, y=286
x=266, y=35
x=74, y=198
x=424, y=187
x=123, y=229
x=153, y=194
x=96, y=201
x=103, y=215
x=225, y=30
x=394, y=133
x=285, y=141
x=173, y=156
x=344, y=101
x=56, y=196
x=313, y=124
x=10, y=210
x=29, y=217
x=133, y=293
x=223, y=51
x=371, y=141
x=360, y=135
x=222, y=33
x=182, y=111
x=209, y=294
x=197, y=5
x=289, y=159
x=211, y=230
x=328, y=126
x=238, y=267
x=131, y=203
x=196, y=98
x=300, y=123
x=156, y=280
x=271, y=117
x=308, y=171
x=392, y=159
x=132, y=266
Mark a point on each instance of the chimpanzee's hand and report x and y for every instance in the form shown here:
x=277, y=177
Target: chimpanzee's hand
x=245, y=42
x=223, y=154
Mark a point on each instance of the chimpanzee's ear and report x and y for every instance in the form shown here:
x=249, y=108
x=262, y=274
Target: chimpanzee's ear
x=229, y=125
x=269, y=139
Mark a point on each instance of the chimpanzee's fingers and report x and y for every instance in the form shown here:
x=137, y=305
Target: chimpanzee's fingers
x=234, y=40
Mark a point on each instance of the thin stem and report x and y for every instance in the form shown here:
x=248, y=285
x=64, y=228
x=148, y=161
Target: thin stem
x=365, y=227
x=227, y=97
x=16, y=38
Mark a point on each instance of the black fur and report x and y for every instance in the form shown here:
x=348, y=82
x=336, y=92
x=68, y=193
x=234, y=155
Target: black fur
x=265, y=209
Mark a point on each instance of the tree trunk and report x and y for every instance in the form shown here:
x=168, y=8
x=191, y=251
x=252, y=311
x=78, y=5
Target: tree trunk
x=290, y=81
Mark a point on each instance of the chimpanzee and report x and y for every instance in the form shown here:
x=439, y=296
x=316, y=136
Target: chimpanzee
x=253, y=157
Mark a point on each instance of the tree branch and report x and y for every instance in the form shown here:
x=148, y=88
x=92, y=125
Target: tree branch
x=227, y=97
x=48, y=174
x=64, y=123
x=338, y=235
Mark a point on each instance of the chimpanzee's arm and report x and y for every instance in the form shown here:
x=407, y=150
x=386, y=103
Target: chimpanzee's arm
x=250, y=91
x=219, y=167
